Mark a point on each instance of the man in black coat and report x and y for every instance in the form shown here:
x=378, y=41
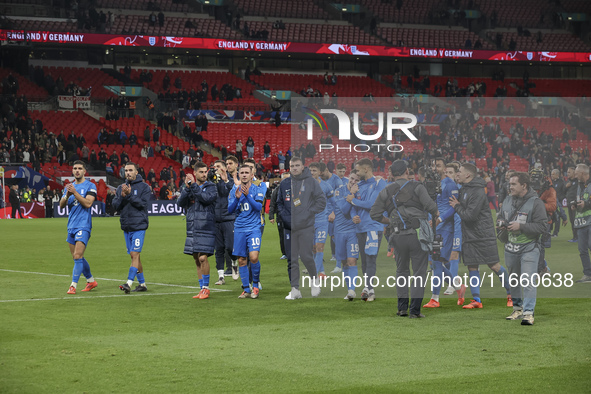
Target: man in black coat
x=15, y=202
x=132, y=200
x=224, y=224
x=273, y=212
x=299, y=199
x=478, y=232
x=48, y=199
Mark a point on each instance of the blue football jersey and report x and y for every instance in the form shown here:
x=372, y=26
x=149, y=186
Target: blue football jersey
x=335, y=182
x=342, y=220
x=322, y=217
x=247, y=218
x=446, y=211
x=80, y=218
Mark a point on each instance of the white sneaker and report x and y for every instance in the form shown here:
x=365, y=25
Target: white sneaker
x=305, y=271
x=336, y=270
x=294, y=294
x=372, y=296
x=315, y=288
x=235, y=273
x=350, y=295
x=333, y=258
x=450, y=290
x=284, y=257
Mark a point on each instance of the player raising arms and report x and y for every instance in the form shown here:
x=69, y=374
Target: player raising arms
x=246, y=199
x=79, y=196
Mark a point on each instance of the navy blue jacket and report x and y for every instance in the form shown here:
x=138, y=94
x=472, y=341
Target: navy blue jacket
x=312, y=201
x=134, y=206
x=200, y=205
x=221, y=204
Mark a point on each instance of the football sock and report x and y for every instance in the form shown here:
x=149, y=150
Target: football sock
x=256, y=272
x=435, y=297
x=220, y=273
x=453, y=267
x=86, y=270
x=475, y=285
x=201, y=283
x=353, y=272
x=132, y=274
x=318, y=259
x=244, y=273
x=447, y=277
x=77, y=271
x=505, y=275
x=339, y=264
x=437, y=278
x=345, y=275
x=140, y=278
x=205, y=281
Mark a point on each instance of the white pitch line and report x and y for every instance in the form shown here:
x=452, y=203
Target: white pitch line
x=93, y=297
x=112, y=280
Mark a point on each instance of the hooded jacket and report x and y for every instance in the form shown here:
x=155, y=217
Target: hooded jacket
x=311, y=197
x=479, y=241
x=134, y=206
x=536, y=224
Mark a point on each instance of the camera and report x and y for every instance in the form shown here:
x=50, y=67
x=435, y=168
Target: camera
x=501, y=223
x=572, y=205
x=213, y=176
x=437, y=245
x=432, y=182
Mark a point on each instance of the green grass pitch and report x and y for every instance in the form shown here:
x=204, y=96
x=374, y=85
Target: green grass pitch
x=165, y=341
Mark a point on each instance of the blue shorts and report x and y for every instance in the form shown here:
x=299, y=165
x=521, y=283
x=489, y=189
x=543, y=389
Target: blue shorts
x=446, y=248
x=79, y=236
x=346, y=246
x=134, y=240
x=457, y=241
x=372, y=242
x=320, y=233
x=246, y=242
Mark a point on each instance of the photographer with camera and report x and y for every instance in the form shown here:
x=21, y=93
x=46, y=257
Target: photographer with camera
x=523, y=218
x=583, y=219
x=407, y=203
x=444, y=231
x=478, y=232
